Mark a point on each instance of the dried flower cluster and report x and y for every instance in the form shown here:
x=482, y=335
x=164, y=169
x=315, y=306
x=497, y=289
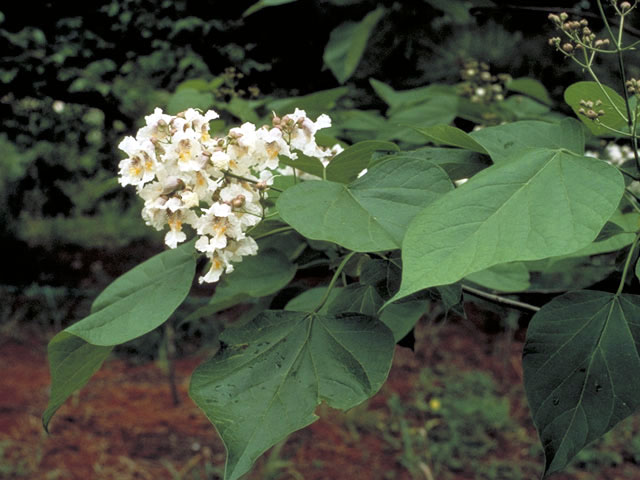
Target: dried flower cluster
x=578, y=35
x=479, y=85
x=215, y=185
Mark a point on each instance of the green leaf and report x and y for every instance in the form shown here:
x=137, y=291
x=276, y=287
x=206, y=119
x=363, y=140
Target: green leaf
x=264, y=3
x=544, y=203
x=609, y=241
x=346, y=166
x=439, y=109
x=370, y=214
x=189, y=98
x=402, y=316
x=72, y=362
x=519, y=107
x=315, y=103
x=308, y=300
x=609, y=230
x=356, y=298
x=451, y=136
x=347, y=44
x=256, y=276
x=457, y=163
x=531, y=87
x=305, y=164
x=560, y=274
x=580, y=362
x=273, y=372
x=612, y=104
x=506, y=277
x=402, y=99
x=508, y=141
x=140, y=300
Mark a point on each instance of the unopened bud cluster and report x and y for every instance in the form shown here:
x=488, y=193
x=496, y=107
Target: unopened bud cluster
x=215, y=185
x=633, y=86
x=578, y=35
x=624, y=7
x=590, y=109
x=479, y=85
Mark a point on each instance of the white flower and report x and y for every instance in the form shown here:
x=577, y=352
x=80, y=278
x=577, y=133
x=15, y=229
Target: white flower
x=140, y=167
x=214, y=185
x=303, y=135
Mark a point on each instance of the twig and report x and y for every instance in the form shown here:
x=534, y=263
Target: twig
x=499, y=299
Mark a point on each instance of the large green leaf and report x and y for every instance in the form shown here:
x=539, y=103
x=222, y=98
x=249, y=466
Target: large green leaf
x=451, y=136
x=370, y=214
x=347, y=43
x=72, y=361
x=439, y=109
x=272, y=374
x=346, y=166
x=611, y=104
x=401, y=99
x=532, y=88
x=456, y=162
x=544, y=203
x=581, y=367
x=507, y=142
x=140, y=300
x=308, y=300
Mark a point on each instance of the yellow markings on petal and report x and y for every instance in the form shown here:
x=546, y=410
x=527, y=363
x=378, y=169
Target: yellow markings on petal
x=272, y=150
x=216, y=264
x=175, y=224
x=220, y=228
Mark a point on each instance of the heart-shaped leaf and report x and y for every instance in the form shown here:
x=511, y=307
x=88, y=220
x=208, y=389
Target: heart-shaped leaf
x=544, y=203
x=370, y=214
x=581, y=367
x=273, y=372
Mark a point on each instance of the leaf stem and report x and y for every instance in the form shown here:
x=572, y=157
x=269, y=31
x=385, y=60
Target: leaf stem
x=273, y=232
x=627, y=263
x=333, y=281
x=499, y=299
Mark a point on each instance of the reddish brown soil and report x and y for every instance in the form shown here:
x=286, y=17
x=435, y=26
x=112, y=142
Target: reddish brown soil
x=124, y=426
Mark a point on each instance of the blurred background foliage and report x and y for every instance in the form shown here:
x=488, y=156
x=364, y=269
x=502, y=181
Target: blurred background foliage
x=76, y=78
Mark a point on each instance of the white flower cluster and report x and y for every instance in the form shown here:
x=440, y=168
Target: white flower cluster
x=613, y=153
x=214, y=184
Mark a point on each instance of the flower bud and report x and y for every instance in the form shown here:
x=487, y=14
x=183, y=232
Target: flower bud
x=567, y=47
x=625, y=7
x=172, y=184
x=238, y=202
x=554, y=18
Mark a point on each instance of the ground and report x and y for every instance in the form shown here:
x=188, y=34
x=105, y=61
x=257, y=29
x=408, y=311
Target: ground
x=453, y=409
